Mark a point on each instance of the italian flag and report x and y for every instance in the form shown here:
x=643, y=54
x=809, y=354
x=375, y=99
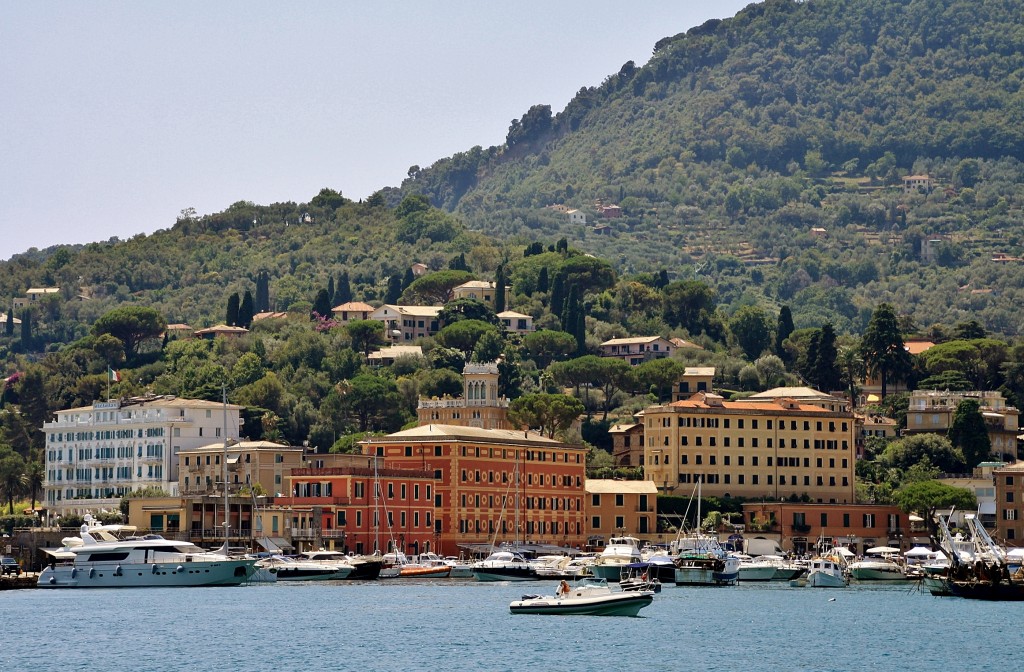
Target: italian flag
x=113, y=376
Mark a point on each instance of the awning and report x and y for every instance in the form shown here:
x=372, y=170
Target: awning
x=987, y=508
x=275, y=543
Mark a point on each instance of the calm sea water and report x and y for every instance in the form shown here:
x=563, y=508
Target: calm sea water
x=464, y=625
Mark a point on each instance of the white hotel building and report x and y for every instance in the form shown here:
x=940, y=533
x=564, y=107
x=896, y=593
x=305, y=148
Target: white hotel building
x=96, y=454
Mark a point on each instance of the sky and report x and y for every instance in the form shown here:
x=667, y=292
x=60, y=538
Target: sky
x=116, y=116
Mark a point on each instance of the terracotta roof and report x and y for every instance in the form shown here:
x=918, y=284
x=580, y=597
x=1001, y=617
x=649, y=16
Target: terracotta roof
x=354, y=307
x=435, y=432
x=222, y=329
x=633, y=340
x=267, y=315
x=601, y=486
x=749, y=406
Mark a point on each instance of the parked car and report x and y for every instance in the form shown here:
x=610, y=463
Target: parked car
x=10, y=566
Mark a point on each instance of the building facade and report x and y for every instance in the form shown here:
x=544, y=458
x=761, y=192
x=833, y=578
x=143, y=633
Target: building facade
x=638, y=349
x=802, y=527
x=481, y=290
x=615, y=508
x=775, y=449
x=96, y=454
x=931, y=411
x=481, y=404
x=407, y=323
x=249, y=464
x=493, y=486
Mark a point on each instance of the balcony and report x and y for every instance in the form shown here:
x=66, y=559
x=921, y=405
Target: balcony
x=311, y=534
x=801, y=528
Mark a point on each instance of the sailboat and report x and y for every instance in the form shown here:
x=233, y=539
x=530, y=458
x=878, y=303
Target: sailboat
x=700, y=560
x=506, y=563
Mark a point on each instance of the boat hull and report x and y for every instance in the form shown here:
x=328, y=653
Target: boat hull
x=616, y=604
x=148, y=575
x=877, y=574
x=610, y=572
x=984, y=590
x=756, y=573
x=505, y=574
x=424, y=572
x=825, y=580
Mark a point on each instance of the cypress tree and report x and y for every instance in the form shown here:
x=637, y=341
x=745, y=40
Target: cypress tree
x=26, y=329
x=543, y=284
x=330, y=290
x=343, y=290
x=408, y=278
x=9, y=324
x=245, y=311
x=782, y=332
x=499, y=289
x=394, y=289
x=231, y=314
x=322, y=304
x=557, y=294
x=967, y=431
x=826, y=371
x=262, y=292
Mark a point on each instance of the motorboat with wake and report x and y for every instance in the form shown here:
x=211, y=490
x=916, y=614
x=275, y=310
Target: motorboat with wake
x=590, y=597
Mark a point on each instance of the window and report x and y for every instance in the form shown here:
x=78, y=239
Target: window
x=824, y=520
x=620, y=500
x=595, y=523
x=595, y=500
x=869, y=520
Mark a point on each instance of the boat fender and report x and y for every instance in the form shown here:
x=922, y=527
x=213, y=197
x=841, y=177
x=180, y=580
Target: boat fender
x=156, y=568
x=179, y=568
x=53, y=580
x=117, y=571
x=74, y=573
x=92, y=572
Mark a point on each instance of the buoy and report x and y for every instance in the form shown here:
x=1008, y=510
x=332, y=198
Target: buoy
x=831, y=599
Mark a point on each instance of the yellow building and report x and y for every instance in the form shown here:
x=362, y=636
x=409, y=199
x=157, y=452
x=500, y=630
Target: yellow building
x=615, y=508
x=249, y=462
x=931, y=411
x=773, y=448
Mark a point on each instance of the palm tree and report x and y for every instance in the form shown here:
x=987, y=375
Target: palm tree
x=35, y=477
x=12, y=478
x=852, y=366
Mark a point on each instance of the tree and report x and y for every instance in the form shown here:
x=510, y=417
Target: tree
x=882, y=347
x=26, y=329
x=322, y=304
x=467, y=309
x=365, y=335
x=926, y=497
x=752, y=330
x=12, y=477
x=968, y=433
x=394, y=290
x=548, y=412
x=659, y=376
x=262, y=292
x=440, y=383
x=435, y=288
x=330, y=291
x=245, y=310
x=35, y=478
x=231, y=314
x=373, y=402
x=917, y=448
x=499, y=289
x=463, y=335
x=688, y=304
x=9, y=324
x=782, y=331
x=343, y=290
x=546, y=345
x=826, y=374
x=133, y=325
x=852, y=367
x=328, y=199
x=489, y=347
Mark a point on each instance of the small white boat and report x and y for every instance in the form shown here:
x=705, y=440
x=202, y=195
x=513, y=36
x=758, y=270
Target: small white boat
x=826, y=572
x=619, y=551
x=504, y=566
x=755, y=569
x=591, y=597
x=456, y=568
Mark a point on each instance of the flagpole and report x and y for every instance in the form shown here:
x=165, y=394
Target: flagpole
x=108, y=383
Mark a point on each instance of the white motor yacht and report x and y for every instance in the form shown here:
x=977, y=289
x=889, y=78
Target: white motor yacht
x=301, y=569
x=504, y=566
x=619, y=552
x=151, y=560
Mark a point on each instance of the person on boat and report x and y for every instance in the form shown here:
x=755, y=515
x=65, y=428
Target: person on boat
x=563, y=588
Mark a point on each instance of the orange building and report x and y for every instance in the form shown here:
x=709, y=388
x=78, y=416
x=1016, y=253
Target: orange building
x=800, y=526
x=493, y=485
x=335, y=508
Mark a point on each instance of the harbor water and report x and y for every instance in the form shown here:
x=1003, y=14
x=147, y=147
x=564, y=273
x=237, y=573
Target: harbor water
x=465, y=625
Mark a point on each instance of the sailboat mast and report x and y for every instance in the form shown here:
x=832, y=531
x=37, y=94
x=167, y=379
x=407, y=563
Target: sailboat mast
x=224, y=459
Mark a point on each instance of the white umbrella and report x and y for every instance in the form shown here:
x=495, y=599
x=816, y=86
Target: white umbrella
x=1016, y=553
x=918, y=552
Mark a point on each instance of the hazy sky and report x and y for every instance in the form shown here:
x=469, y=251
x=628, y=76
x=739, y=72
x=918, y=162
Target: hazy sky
x=115, y=116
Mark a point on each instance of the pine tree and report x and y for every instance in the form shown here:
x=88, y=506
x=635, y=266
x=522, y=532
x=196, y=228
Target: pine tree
x=343, y=290
x=499, y=289
x=245, y=310
x=231, y=314
x=882, y=347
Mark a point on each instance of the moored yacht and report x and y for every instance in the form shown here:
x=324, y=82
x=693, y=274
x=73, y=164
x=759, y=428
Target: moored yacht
x=827, y=571
x=302, y=569
x=619, y=551
x=878, y=564
x=151, y=560
x=504, y=566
